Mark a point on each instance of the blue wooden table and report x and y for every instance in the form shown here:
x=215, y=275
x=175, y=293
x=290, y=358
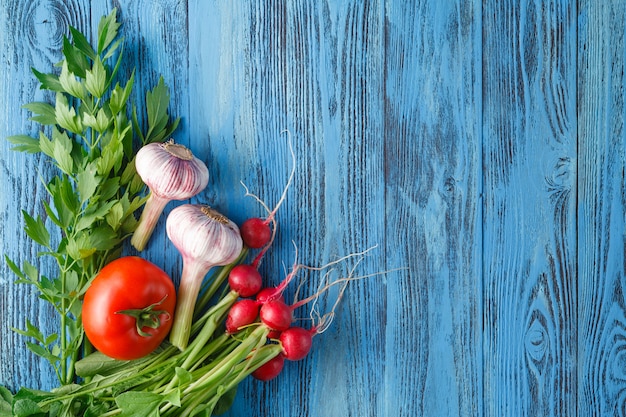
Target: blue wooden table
x=481, y=145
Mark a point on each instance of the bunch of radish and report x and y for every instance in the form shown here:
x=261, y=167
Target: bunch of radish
x=266, y=305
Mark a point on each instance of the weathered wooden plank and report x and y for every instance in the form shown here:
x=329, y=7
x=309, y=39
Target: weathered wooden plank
x=314, y=68
x=32, y=36
x=433, y=212
x=601, y=209
x=529, y=153
x=383, y=102
x=155, y=43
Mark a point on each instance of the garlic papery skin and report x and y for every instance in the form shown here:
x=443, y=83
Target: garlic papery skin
x=171, y=172
x=204, y=238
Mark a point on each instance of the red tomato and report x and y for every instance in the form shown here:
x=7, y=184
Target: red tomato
x=128, y=308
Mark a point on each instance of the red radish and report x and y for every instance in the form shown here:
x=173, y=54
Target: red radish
x=273, y=334
x=276, y=293
x=242, y=313
x=270, y=370
x=269, y=294
x=276, y=315
x=297, y=342
x=256, y=232
x=245, y=280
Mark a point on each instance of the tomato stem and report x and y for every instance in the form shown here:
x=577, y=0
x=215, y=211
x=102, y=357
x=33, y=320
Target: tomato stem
x=146, y=317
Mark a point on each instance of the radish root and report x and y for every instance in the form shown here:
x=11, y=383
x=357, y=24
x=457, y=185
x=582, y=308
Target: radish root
x=271, y=213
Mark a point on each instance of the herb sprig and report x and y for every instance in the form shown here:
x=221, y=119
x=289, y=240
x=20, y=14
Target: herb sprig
x=88, y=133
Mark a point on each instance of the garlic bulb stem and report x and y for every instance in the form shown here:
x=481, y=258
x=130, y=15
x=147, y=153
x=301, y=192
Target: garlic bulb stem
x=205, y=238
x=171, y=172
x=190, y=283
x=149, y=217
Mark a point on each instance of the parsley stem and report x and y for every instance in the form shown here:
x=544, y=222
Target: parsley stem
x=63, y=330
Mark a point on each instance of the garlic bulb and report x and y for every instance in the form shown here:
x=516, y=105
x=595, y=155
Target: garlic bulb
x=171, y=172
x=205, y=238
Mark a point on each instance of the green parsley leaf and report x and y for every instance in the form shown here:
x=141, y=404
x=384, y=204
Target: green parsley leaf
x=31, y=331
x=112, y=156
x=108, y=189
x=113, y=49
x=30, y=271
x=40, y=350
x=52, y=215
x=75, y=59
x=66, y=115
x=65, y=200
x=36, y=229
x=107, y=30
x=103, y=237
x=63, y=157
x=71, y=282
x=156, y=106
x=48, y=81
x=69, y=82
x=90, y=120
x=96, y=79
x=24, y=143
x=81, y=43
x=120, y=96
x=46, y=145
x=92, y=214
x=115, y=216
x=14, y=268
x=103, y=120
x=86, y=183
x=42, y=113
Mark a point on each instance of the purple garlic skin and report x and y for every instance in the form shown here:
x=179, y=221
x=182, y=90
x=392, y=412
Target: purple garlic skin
x=203, y=235
x=171, y=171
x=205, y=239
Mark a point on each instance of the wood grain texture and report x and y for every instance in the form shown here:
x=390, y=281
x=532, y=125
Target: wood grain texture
x=529, y=220
x=316, y=71
x=478, y=144
x=36, y=44
x=601, y=209
x=433, y=176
